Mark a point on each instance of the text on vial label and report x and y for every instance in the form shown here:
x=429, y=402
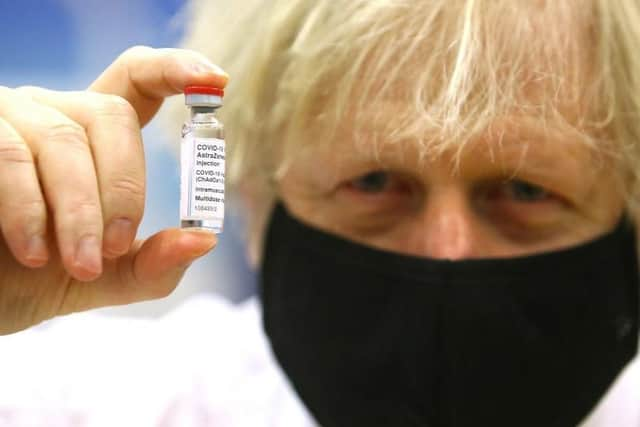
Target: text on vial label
x=205, y=191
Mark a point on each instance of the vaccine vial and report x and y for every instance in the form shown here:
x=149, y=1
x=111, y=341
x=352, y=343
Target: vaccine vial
x=202, y=158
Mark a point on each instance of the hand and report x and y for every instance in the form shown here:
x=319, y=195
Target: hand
x=72, y=189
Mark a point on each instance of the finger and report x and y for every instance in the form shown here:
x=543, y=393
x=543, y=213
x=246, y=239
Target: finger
x=145, y=76
x=67, y=174
x=23, y=213
x=152, y=269
x=115, y=139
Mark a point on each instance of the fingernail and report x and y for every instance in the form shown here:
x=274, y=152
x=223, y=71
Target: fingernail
x=206, y=239
x=37, y=249
x=205, y=67
x=118, y=236
x=201, y=240
x=88, y=255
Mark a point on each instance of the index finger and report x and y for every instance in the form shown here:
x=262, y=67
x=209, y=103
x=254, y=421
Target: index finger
x=145, y=76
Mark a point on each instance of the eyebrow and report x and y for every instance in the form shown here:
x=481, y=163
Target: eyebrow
x=556, y=158
x=544, y=153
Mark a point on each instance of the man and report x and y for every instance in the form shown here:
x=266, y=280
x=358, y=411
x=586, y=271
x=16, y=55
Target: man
x=439, y=195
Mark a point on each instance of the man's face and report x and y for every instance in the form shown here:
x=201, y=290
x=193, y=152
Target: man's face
x=522, y=188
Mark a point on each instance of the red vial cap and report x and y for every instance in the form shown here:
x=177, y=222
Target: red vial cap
x=204, y=90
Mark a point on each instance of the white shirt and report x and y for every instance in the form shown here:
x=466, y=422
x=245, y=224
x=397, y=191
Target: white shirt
x=207, y=363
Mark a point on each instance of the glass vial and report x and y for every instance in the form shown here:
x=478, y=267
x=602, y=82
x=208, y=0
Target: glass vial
x=202, y=158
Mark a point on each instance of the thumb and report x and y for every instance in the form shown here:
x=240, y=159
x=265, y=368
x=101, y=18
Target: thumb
x=152, y=269
x=169, y=251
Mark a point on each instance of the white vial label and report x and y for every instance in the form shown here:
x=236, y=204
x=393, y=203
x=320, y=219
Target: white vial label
x=203, y=166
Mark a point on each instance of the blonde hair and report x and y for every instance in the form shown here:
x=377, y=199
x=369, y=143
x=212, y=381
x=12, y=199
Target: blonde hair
x=456, y=65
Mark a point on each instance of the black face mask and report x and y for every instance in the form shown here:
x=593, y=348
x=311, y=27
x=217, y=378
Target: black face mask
x=373, y=338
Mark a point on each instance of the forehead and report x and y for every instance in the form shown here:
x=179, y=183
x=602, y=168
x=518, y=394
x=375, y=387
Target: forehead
x=516, y=145
x=444, y=77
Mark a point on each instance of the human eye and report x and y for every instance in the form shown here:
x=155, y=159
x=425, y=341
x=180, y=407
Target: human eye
x=523, y=206
x=520, y=194
x=524, y=192
x=376, y=198
x=378, y=185
x=372, y=183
